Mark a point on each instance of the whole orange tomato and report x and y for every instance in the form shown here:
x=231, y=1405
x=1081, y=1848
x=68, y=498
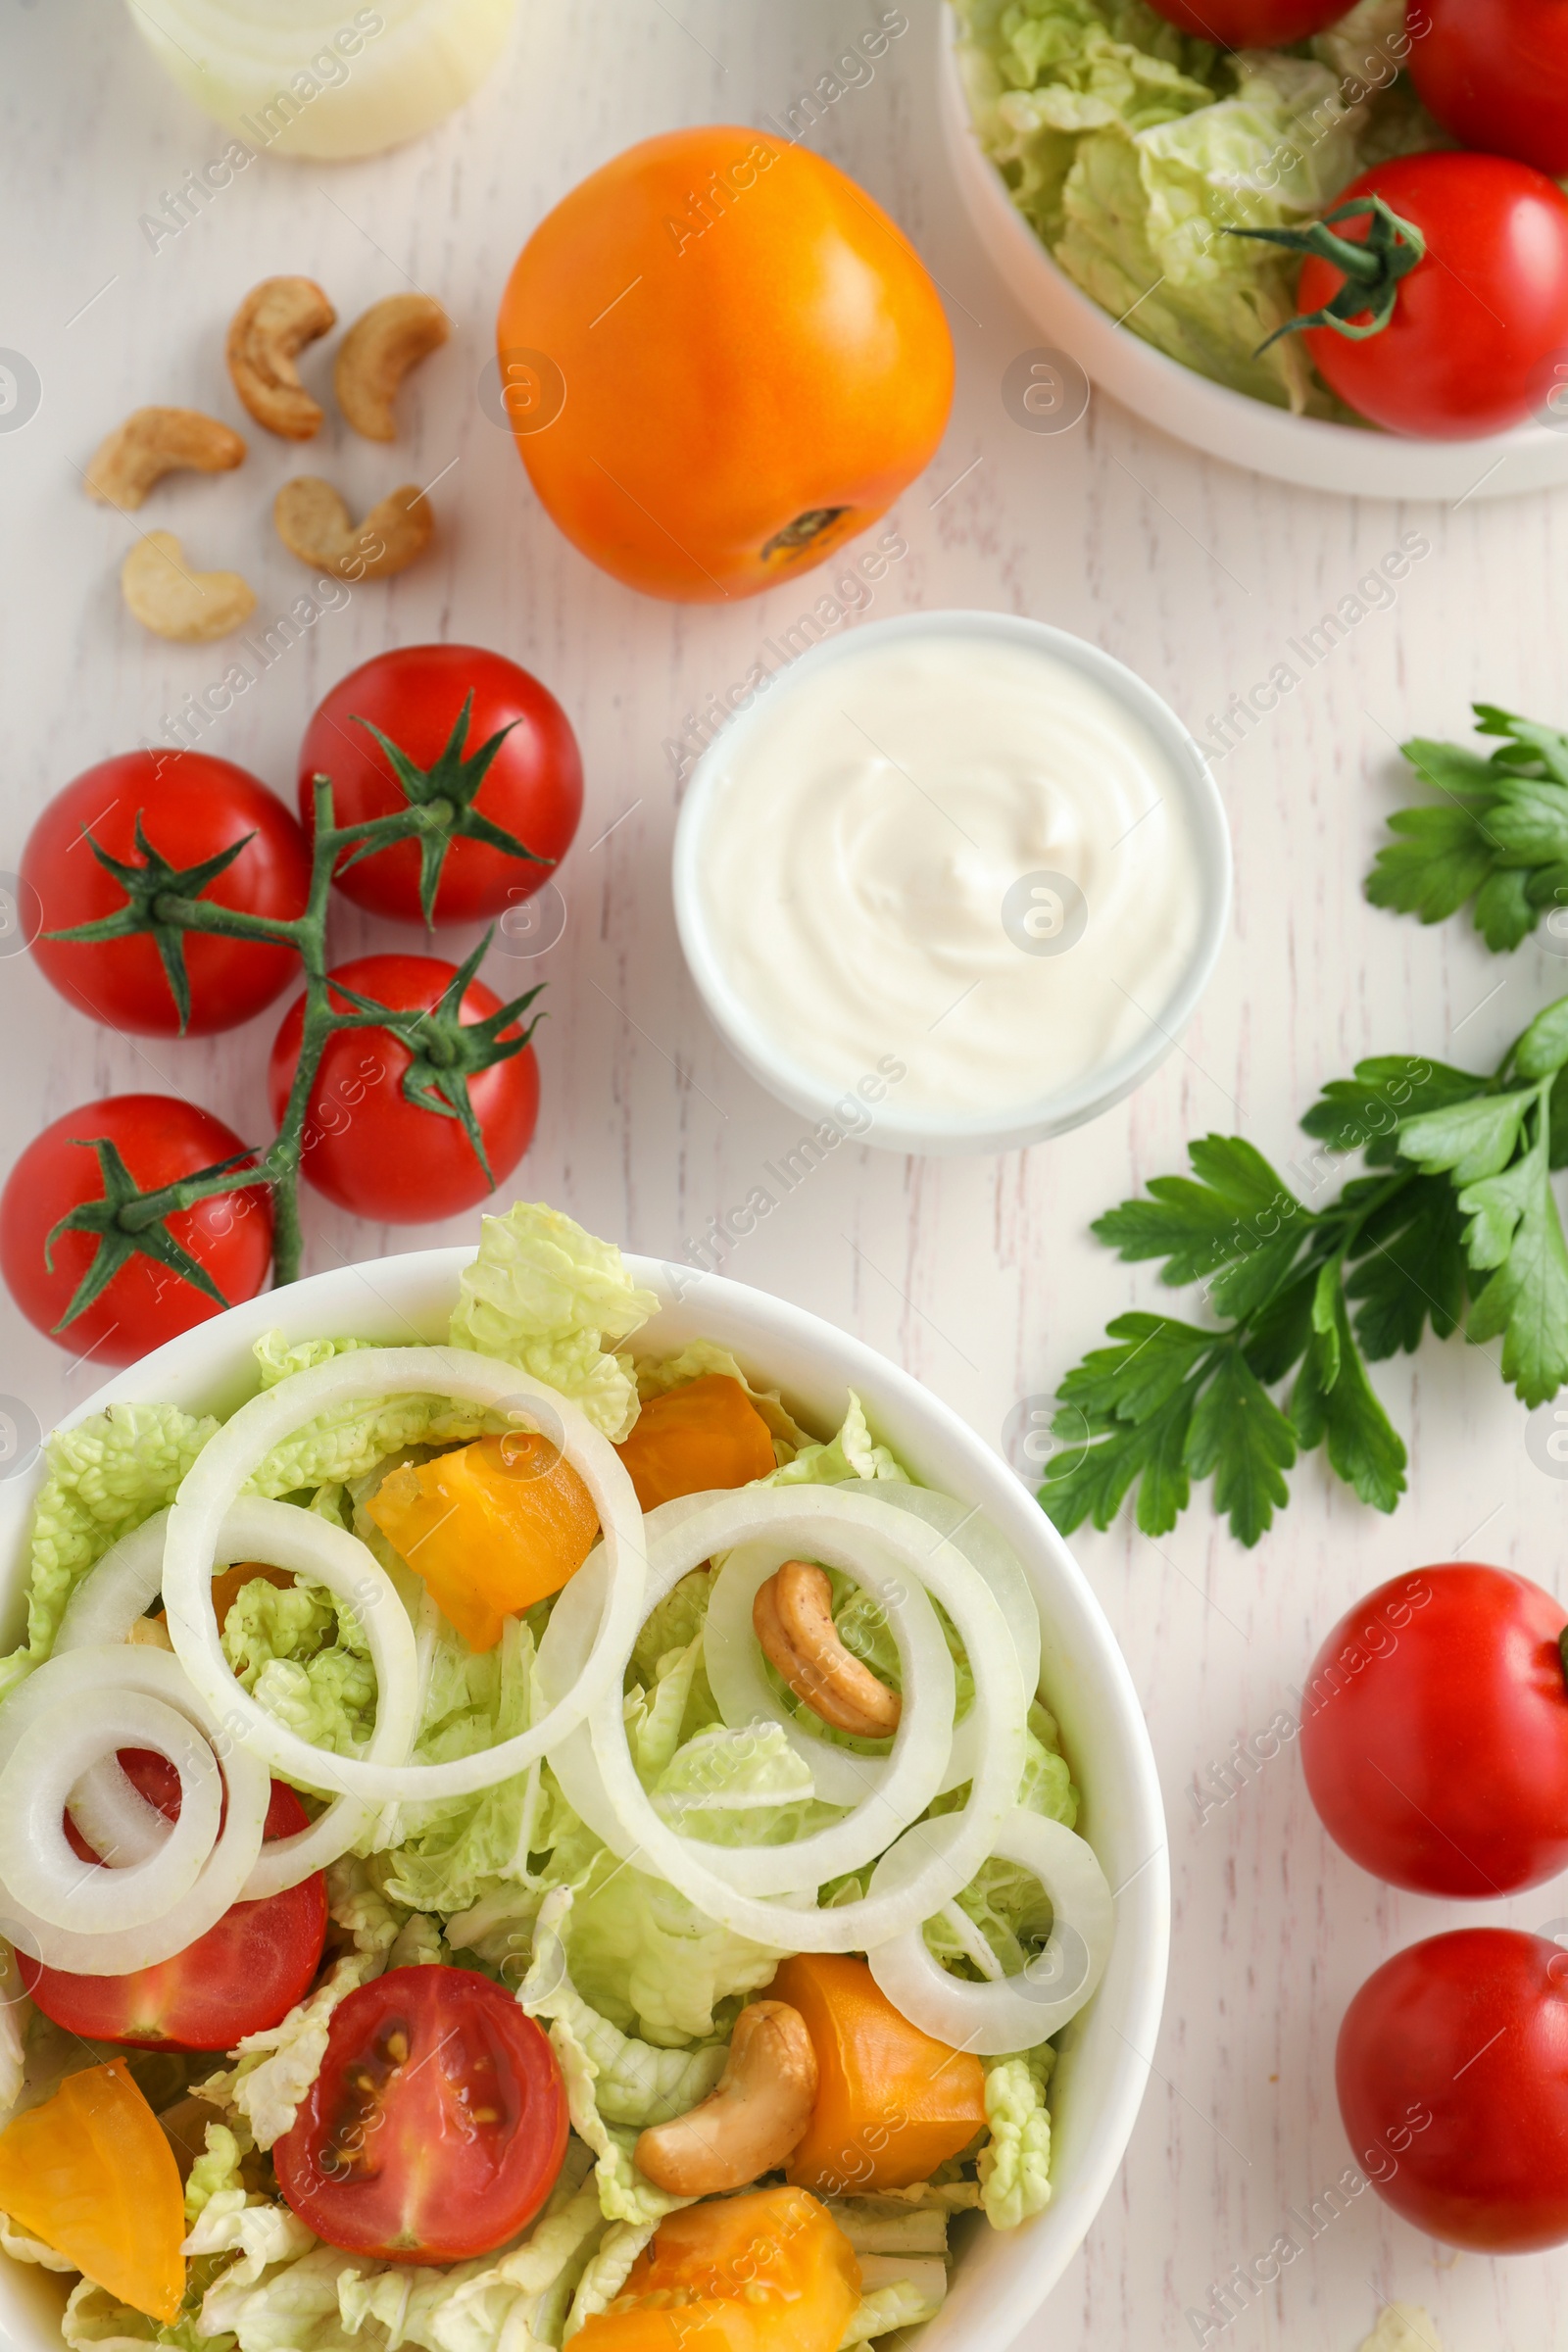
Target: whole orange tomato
x=722, y=360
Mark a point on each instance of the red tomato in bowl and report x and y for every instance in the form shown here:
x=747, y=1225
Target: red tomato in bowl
x=243, y=1974
x=1496, y=73
x=1479, y=323
x=436, y=2124
x=160, y=1140
x=1435, y=1742
x=1249, y=24
x=414, y=695
x=191, y=808
x=1453, y=2079
x=365, y=1145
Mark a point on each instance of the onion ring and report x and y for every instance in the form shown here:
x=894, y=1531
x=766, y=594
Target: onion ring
x=229, y=1458
x=957, y=1844
x=895, y=1790
x=1015, y=2012
x=743, y=1693
x=99, y=1676
x=108, y=1602
x=39, y=1868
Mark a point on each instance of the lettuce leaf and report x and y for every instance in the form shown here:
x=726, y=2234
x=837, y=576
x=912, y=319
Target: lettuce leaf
x=353, y=1438
x=315, y=2297
x=643, y=1957
x=1015, y=2160
x=853, y=1454
x=634, y=2083
x=745, y=1786
x=1132, y=149
x=275, y=2068
x=305, y=1656
x=606, y=2272
x=105, y=1477
x=447, y=1853
x=549, y=1298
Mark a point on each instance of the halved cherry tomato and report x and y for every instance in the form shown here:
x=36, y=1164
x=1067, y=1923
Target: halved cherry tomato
x=243, y=1974
x=436, y=2124
x=190, y=807
x=767, y=2272
x=90, y=2173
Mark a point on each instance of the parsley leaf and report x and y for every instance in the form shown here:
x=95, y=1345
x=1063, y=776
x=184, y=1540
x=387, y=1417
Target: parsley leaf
x=1497, y=837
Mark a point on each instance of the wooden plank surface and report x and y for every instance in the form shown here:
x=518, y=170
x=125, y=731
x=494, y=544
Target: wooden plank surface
x=979, y=1275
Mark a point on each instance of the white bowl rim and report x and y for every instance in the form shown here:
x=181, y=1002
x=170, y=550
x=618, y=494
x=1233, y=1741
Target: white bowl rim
x=403, y=1297
x=979, y=1131
x=1316, y=452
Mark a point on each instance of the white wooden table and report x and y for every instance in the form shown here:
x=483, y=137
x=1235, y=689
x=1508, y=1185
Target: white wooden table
x=979, y=1275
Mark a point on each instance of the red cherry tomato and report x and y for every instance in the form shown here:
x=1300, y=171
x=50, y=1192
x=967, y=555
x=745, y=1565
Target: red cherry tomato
x=191, y=808
x=1249, y=24
x=365, y=1145
x=533, y=789
x=243, y=1974
x=1496, y=73
x=1479, y=323
x=1453, y=2076
x=437, y=2123
x=160, y=1140
x=1436, y=1738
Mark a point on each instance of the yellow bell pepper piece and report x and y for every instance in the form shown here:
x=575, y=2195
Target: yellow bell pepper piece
x=767, y=2272
x=91, y=2175
x=490, y=1528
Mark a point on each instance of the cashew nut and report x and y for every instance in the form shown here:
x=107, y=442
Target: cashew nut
x=153, y=442
x=749, y=2124
x=376, y=353
x=792, y=1617
x=172, y=601
x=271, y=326
x=313, y=523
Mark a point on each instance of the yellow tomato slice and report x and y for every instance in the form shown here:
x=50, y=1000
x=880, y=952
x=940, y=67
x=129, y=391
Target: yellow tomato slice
x=91, y=2175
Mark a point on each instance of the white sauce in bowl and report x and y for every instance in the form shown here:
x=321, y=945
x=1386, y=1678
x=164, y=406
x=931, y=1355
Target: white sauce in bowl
x=957, y=849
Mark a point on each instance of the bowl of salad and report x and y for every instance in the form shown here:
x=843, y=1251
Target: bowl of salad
x=547, y=1796
x=1107, y=157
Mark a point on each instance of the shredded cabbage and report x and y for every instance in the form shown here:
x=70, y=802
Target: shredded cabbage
x=549, y=1298
x=1131, y=148
x=1015, y=2160
x=853, y=1454
x=105, y=1477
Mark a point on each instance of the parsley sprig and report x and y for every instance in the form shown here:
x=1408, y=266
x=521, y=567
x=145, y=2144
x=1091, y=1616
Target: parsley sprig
x=1496, y=836
x=1452, y=1223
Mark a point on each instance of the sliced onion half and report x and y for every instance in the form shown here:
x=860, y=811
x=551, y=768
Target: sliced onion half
x=843, y=1528
x=1016, y=2012
x=69, y=1714
x=220, y=1472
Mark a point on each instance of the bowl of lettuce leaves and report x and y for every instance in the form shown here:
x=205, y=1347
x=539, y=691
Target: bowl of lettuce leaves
x=1103, y=156
x=608, y=1332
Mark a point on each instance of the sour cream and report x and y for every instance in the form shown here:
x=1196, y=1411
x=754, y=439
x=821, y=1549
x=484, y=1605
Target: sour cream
x=963, y=845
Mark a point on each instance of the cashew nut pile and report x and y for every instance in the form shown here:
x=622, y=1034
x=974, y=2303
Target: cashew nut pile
x=750, y=2120
x=793, y=1616
x=277, y=320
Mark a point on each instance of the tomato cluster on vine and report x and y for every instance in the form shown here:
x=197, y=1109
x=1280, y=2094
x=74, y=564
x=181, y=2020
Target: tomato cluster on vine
x=181, y=897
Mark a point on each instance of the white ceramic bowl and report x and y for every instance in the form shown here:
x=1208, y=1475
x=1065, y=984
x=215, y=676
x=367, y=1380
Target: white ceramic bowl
x=767, y=1057
x=1001, y=2281
x=1312, y=451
